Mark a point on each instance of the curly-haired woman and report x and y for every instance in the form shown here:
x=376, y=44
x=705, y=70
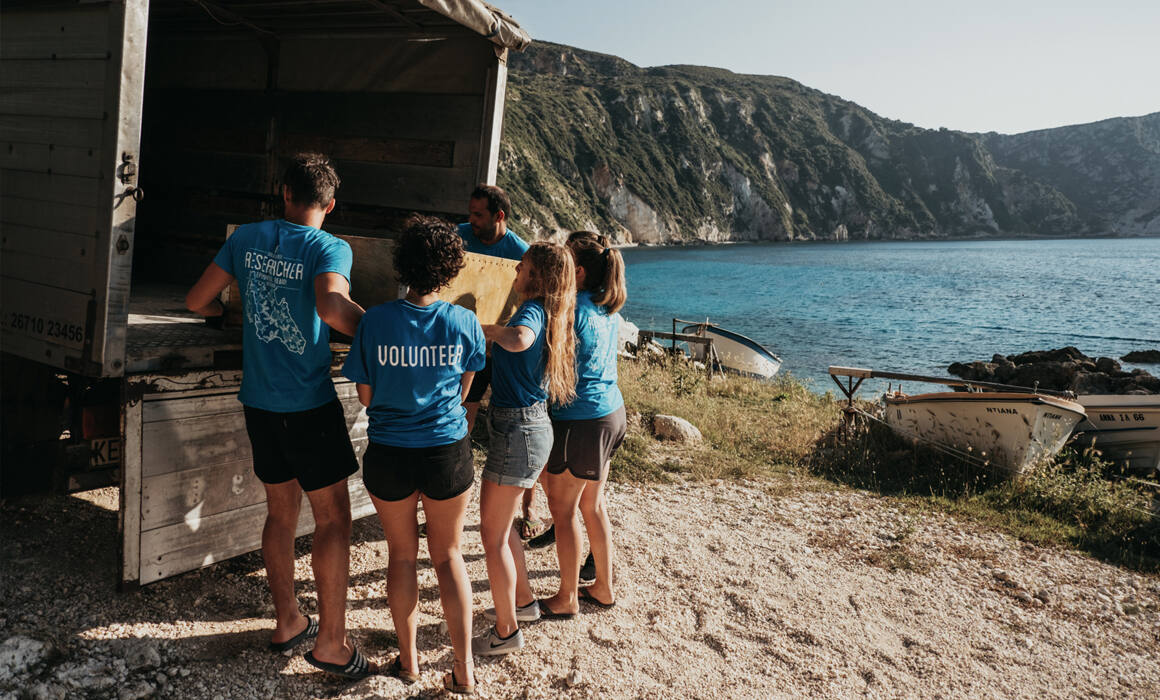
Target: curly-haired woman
x=412, y=360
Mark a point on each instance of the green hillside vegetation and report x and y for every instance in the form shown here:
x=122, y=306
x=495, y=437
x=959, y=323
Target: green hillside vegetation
x=684, y=153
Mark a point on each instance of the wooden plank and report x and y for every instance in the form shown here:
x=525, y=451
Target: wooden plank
x=47, y=101
x=70, y=218
x=59, y=131
x=55, y=271
x=492, y=118
x=181, y=547
x=62, y=74
x=399, y=116
x=368, y=64
x=438, y=154
x=81, y=161
x=183, y=407
x=45, y=243
x=175, y=445
x=129, y=514
x=45, y=187
x=81, y=31
x=405, y=186
x=183, y=497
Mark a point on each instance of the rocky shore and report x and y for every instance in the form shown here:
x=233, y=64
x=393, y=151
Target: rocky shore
x=1065, y=369
x=738, y=590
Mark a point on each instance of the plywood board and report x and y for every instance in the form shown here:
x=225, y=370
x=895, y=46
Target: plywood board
x=485, y=287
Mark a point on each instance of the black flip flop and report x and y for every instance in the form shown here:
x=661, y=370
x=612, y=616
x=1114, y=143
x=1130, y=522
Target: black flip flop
x=547, y=613
x=310, y=632
x=356, y=669
x=586, y=597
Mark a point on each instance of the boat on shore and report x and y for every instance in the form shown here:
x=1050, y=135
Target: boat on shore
x=1013, y=428
x=734, y=352
x=1124, y=428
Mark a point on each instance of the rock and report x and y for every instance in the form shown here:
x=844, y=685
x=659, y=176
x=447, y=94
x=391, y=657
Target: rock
x=629, y=334
x=20, y=654
x=1024, y=596
x=1065, y=369
x=1130, y=608
x=142, y=654
x=92, y=674
x=1044, y=595
x=674, y=428
x=574, y=678
x=1148, y=357
x=137, y=691
x=47, y=691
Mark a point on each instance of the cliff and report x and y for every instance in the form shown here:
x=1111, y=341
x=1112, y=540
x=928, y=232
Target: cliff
x=686, y=153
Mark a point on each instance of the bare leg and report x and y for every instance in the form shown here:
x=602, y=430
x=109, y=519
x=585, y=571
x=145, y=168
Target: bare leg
x=402, y=532
x=444, y=529
x=564, y=492
x=330, y=559
x=497, y=507
x=592, y=507
x=283, y=501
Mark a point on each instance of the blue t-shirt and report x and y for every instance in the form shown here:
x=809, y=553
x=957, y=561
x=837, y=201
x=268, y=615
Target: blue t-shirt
x=510, y=246
x=517, y=378
x=413, y=358
x=285, y=345
x=597, y=332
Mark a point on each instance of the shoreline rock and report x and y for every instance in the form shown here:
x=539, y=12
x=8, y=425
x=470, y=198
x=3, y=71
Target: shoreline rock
x=1063, y=369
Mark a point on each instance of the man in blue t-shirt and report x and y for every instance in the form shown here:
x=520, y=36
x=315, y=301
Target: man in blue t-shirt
x=295, y=284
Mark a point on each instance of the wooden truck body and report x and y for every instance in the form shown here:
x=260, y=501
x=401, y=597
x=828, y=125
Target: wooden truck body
x=135, y=132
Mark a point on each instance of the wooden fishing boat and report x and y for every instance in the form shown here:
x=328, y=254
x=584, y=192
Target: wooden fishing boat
x=735, y=352
x=1012, y=428
x=1125, y=428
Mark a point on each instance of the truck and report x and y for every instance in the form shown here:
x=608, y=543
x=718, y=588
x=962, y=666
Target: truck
x=135, y=135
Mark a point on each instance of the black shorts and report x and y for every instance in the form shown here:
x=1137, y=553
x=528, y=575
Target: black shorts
x=312, y=446
x=479, y=383
x=583, y=447
x=442, y=472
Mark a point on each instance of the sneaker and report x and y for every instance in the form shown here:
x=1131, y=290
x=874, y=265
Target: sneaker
x=544, y=539
x=491, y=644
x=588, y=571
x=528, y=613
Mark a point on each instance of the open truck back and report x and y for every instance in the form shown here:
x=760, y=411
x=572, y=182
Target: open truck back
x=134, y=133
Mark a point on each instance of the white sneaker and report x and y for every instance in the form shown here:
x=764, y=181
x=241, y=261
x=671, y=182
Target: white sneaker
x=528, y=613
x=491, y=644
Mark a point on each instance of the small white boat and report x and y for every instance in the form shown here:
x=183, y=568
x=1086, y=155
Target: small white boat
x=734, y=351
x=1125, y=428
x=1011, y=430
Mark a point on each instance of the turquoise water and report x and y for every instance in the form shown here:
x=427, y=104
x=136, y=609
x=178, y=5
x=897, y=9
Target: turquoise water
x=907, y=306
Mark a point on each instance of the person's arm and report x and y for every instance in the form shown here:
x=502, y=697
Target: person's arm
x=465, y=386
x=365, y=392
x=335, y=307
x=510, y=338
x=202, y=298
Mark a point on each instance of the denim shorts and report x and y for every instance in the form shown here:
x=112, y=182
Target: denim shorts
x=520, y=442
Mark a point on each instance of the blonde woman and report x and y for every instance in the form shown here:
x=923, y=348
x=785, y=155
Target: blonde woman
x=589, y=428
x=532, y=363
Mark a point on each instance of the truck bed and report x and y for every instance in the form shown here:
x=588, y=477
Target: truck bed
x=164, y=336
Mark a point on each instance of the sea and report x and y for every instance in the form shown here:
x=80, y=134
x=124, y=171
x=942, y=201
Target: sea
x=913, y=307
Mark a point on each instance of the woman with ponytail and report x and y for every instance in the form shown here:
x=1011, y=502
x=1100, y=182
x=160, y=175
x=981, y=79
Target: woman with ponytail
x=533, y=362
x=589, y=428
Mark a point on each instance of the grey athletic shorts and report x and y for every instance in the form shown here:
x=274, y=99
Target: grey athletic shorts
x=583, y=447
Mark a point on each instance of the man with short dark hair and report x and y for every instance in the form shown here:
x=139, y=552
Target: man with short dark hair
x=486, y=232
x=295, y=284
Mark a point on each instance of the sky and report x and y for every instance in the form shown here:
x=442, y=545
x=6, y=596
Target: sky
x=973, y=65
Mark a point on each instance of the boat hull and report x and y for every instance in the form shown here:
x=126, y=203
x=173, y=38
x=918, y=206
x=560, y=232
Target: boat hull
x=1125, y=429
x=1009, y=430
x=736, y=352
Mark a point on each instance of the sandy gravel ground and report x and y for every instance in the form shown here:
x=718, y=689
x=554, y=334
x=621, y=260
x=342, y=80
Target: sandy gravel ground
x=725, y=590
